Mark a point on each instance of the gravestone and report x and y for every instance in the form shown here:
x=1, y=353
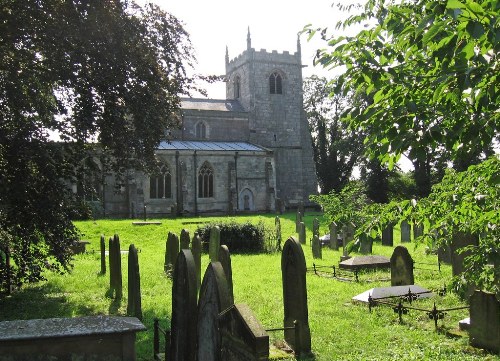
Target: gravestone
x=225, y=261
x=301, y=209
x=298, y=219
x=405, y=231
x=293, y=271
x=333, y=236
x=115, y=267
x=484, y=331
x=111, y=266
x=316, y=247
x=444, y=253
x=103, y=255
x=277, y=224
x=316, y=227
x=401, y=267
x=418, y=230
x=242, y=335
x=184, y=241
x=171, y=252
x=388, y=235
x=196, y=250
x=365, y=243
x=460, y=240
x=134, y=307
x=214, y=298
x=345, y=240
x=184, y=308
x=302, y=233
x=214, y=245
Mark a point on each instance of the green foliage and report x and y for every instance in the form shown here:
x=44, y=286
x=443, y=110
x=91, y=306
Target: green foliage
x=105, y=71
x=238, y=237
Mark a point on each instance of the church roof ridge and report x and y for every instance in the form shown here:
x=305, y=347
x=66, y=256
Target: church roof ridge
x=225, y=105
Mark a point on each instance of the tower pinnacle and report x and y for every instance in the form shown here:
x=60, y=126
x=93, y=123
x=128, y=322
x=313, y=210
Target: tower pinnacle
x=249, y=41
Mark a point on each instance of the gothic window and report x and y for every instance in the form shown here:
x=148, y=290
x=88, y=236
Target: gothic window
x=206, y=181
x=201, y=130
x=160, y=184
x=237, y=86
x=275, y=86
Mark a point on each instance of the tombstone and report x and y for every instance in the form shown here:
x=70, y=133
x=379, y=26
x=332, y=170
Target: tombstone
x=405, y=231
x=225, y=261
x=333, y=236
x=134, y=307
x=242, y=335
x=214, y=298
x=111, y=261
x=115, y=267
x=302, y=233
x=171, y=252
x=196, y=250
x=316, y=247
x=293, y=271
x=365, y=243
x=460, y=240
x=316, y=227
x=214, y=245
x=301, y=209
x=345, y=241
x=103, y=255
x=484, y=331
x=184, y=241
x=277, y=224
x=184, y=308
x=298, y=219
x=444, y=254
x=418, y=230
x=388, y=235
x=401, y=267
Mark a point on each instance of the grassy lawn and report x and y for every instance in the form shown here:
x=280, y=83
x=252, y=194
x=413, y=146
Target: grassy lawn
x=340, y=329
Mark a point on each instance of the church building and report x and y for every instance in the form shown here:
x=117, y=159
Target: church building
x=250, y=152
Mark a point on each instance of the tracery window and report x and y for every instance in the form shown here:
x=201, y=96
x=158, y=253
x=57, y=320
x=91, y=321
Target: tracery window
x=275, y=83
x=237, y=87
x=160, y=184
x=206, y=181
x=201, y=130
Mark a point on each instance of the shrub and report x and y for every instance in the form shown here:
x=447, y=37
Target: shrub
x=238, y=237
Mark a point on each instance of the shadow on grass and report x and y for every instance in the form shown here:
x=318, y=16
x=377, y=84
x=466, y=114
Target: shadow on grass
x=40, y=301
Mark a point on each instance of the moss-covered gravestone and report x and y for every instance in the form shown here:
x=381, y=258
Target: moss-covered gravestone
x=214, y=245
x=333, y=236
x=388, y=235
x=401, y=267
x=115, y=267
x=316, y=247
x=365, y=243
x=293, y=271
x=298, y=219
x=302, y=233
x=134, y=307
x=171, y=252
x=405, y=231
x=484, y=331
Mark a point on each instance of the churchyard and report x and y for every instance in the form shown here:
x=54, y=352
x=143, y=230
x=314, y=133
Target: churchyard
x=340, y=329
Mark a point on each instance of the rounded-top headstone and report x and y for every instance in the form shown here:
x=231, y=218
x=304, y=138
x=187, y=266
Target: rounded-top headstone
x=401, y=267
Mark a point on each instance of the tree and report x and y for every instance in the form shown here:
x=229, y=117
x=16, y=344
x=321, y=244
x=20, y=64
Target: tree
x=376, y=179
x=105, y=77
x=336, y=148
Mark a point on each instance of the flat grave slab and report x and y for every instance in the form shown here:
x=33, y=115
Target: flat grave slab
x=379, y=292
x=146, y=223
x=366, y=262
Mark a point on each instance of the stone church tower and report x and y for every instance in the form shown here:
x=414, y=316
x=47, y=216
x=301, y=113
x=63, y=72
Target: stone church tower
x=268, y=85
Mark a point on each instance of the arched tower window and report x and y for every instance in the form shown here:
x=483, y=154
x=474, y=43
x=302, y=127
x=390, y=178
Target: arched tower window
x=206, y=181
x=160, y=183
x=237, y=87
x=201, y=130
x=275, y=81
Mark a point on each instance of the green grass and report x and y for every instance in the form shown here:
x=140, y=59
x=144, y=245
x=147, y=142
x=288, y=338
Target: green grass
x=340, y=329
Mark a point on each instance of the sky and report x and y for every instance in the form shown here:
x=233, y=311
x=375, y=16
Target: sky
x=274, y=25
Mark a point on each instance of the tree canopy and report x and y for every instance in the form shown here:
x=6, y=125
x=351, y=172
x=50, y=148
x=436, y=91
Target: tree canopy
x=85, y=73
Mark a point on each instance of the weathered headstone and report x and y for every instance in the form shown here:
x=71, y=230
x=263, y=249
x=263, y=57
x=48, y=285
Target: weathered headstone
x=293, y=271
x=365, y=243
x=401, y=267
x=333, y=236
x=345, y=240
x=214, y=298
x=301, y=209
x=484, y=331
x=103, y=255
x=277, y=224
x=243, y=337
x=111, y=266
x=298, y=219
x=444, y=253
x=134, y=307
x=316, y=227
x=302, y=233
x=115, y=267
x=388, y=235
x=460, y=240
x=184, y=308
x=214, y=245
x=418, y=230
x=196, y=250
x=171, y=252
x=225, y=261
x=184, y=240
x=316, y=247
x=405, y=231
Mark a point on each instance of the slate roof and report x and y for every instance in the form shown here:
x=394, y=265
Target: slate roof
x=221, y=105
x=211, y=146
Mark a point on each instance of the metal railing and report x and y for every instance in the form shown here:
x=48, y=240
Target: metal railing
x=297, y=347
x=156, y=340
x=341, y=274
